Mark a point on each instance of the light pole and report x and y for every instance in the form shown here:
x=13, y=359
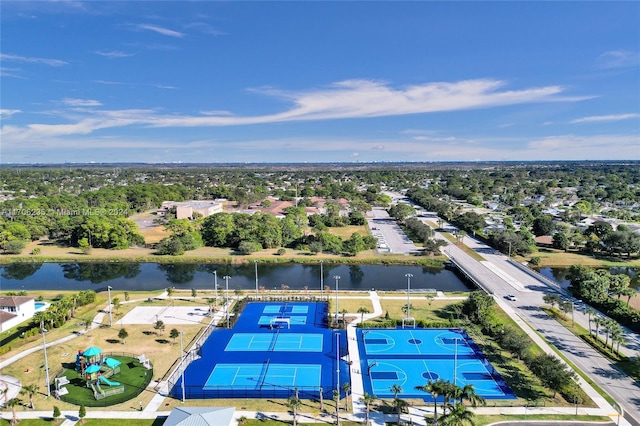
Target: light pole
x=110, y=317
x=46, y=361
x=337, y=278
x=215, y=285
x=338, y=375
x=182, y=364
x=256, y=265
x=509, y=248
x=408, y=294
x=226, y=279
x=321, y=281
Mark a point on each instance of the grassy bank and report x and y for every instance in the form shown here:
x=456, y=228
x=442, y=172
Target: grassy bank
x=51, y=252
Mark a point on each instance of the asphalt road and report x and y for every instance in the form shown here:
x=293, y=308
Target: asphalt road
x=501, y=278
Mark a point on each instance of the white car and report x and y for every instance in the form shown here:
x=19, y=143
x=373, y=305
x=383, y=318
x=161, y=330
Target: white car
x=511, y=297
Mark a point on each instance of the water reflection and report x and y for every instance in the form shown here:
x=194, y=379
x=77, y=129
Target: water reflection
x=152, y=276
x=100, y=272
x=20, y=271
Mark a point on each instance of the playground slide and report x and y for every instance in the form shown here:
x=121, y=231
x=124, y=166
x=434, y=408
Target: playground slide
x=108, y=382
x=97, y=389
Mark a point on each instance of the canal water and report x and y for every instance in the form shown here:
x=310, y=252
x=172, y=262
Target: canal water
x=155, y=276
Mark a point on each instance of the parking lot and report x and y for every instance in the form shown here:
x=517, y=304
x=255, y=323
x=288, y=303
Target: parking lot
x=391, y=239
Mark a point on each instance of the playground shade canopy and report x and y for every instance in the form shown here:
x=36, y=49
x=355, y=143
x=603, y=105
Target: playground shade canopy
x=112, y=362
x=93, y=369
x=92, y=351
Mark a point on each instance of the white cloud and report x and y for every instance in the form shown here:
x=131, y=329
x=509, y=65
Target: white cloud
x=107, y=82
x=160, y=30
x=8, y=112
x=111, y=54
x=164, y=86
x=81, y=102
x=600, y=118
x=205, y=28
x=32, y=60
x=585, y=147
x=618, y=59
x=346, y=99
x=367, y=98
x=10, y=72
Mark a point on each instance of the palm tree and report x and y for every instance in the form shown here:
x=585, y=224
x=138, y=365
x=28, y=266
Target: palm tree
x=30, y=390
x=468, y=392
x=458, y=416
x=450, y=392
x=363, y=310
x=619, y=339
x=435, y=388
x=616, y=332
x=347, y=387
x=321, y=398
x=590, y=311
x=598, y=322
x=395, y=389
x=294, y=403
x=13, y=403
x=608, y=326
x=367, y=400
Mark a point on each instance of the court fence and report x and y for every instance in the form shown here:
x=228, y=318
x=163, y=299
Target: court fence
x=263, y=391
x=192, y=354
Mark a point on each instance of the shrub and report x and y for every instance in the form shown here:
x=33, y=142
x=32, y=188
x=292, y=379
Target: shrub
x=281, y=251
x=248, y=247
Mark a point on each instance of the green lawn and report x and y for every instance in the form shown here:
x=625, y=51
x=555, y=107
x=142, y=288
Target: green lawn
x=133, y=376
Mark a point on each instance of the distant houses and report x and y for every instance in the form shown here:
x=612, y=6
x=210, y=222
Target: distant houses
x=14, y=310
x=187, y=209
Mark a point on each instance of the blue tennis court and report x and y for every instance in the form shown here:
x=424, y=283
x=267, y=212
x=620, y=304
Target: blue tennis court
x=275, y=342
x=274, y=320
x=256, y=376
x=413, y=357
x=285, y=309
x=416, y=342
x=254, y=361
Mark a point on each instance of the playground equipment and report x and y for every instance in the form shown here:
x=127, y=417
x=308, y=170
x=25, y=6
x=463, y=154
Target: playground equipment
x=146, y=363
x=60, y=382
x=97, y=369
x=107, y=381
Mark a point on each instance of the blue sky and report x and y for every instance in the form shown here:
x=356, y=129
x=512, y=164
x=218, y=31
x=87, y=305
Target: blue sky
x=204, y=81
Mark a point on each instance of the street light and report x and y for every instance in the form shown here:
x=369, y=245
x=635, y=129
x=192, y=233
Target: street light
x=321, y=281
x=256, y=264
x=338, y=374
x=408, y=294
x=182, y=364
x=226, y=279
x=337, y=278
x=46, y=361
x=215, y=285
x=110, y=317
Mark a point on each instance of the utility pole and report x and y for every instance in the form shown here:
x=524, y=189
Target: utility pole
x=226, y=279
